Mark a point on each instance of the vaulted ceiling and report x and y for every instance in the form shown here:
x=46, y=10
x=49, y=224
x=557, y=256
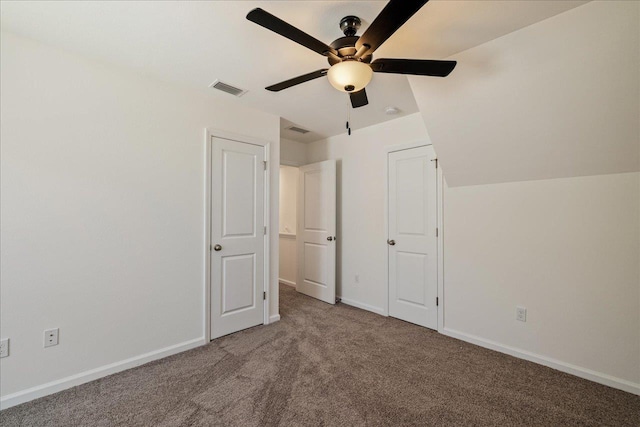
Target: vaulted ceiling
x=557, y=99
x=195, y=43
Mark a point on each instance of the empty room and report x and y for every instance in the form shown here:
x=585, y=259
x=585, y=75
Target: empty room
x=320, y=213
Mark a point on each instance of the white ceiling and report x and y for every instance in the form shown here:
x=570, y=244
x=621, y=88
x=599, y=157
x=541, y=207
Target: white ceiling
x=541, y=103
x=195, y=43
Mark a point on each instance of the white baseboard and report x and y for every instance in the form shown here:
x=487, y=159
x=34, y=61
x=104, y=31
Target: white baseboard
x=362, y=305
x=578, y=371
x=93, y=374
x=274, y=318
x=287, y=282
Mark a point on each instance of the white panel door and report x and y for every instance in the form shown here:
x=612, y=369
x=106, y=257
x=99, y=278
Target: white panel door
x=237, y=236
x=412, y=240
x=316, y=232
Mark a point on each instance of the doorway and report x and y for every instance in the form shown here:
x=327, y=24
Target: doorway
x=316, y=227
x=308, y=208
x=288, y=222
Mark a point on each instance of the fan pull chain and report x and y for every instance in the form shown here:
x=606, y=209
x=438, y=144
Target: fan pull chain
x=348, y=118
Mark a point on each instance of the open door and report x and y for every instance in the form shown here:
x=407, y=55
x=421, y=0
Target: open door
x=317, y=231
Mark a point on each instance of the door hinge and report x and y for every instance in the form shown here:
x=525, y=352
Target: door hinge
x=265, y=230
x=264, y=162
x=264, y=295
x=436, y=231
x=437, y=301
x=435, y=160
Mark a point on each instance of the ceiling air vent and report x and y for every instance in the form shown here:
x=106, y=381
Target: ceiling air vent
x=297, y=129
x=227, y=88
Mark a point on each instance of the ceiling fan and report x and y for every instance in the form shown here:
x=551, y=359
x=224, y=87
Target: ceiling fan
x=351, y=56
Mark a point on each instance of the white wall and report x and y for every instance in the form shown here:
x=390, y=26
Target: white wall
x=288, y=208
x=556, y=99
x=361, y=243
x=567, y=250
x=293, y=153
x=103, y=212
x=288, y=259
x=288, y=189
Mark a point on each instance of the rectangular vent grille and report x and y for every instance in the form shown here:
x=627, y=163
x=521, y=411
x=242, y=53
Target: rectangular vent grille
x=297, y=129
x=227, y=88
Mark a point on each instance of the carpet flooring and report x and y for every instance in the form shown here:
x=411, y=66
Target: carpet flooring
x=326, y=365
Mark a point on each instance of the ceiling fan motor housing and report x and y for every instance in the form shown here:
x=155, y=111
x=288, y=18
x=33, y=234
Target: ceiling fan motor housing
x=346, y=47
x=350, y=25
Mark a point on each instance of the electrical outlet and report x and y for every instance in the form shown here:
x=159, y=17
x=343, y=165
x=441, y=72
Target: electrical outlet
x=521, y=314
x=51, y=337
x=357, y=278
x=4, y=347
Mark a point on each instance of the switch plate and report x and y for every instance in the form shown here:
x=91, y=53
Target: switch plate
x=4, y=347
x=521, y=314
x=357, y=278
x=51, y=337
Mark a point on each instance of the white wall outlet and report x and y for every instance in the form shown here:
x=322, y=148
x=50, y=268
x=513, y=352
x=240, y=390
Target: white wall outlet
x=51, y=337
x=4, y=347
x=357, y=278
x=521, y=314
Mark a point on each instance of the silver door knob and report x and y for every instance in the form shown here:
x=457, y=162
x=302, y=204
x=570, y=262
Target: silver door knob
x=217, y=248
x=391, y=242
x=330, y=238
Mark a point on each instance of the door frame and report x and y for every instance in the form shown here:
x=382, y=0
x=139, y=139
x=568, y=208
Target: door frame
x=217, y=133
x=439, y=221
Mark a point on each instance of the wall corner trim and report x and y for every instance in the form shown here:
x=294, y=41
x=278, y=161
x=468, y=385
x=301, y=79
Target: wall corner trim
x=287, y=282
x=93, y=374
x=274, y=318
x=568, y=368
x=362, y=306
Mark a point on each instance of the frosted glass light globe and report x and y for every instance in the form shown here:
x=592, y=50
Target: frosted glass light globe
x=350, y=76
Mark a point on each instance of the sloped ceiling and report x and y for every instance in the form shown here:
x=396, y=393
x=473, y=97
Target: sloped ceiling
x=193, y=43
x=557, y=99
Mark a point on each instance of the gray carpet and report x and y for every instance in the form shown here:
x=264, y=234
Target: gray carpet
x=333, y=365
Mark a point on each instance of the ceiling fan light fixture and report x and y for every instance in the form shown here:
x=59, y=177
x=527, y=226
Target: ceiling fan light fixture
x=350, y=76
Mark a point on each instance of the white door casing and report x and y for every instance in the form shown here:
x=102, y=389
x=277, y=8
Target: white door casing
x=412, y=240
x=237, y=254
x=316, y=231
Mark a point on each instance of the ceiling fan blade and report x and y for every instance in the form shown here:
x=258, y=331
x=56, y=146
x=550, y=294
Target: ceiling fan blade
x=359, y=98
x=277, y=25
x=418, y=67
x=392, y=17
x=297, y=80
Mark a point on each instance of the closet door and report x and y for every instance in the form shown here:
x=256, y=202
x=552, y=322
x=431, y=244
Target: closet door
x=412, y=242
x=237, y=236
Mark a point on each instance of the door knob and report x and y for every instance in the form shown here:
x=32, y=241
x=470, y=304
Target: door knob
x=330, y=238
x=217, y=248
x=391, y=242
